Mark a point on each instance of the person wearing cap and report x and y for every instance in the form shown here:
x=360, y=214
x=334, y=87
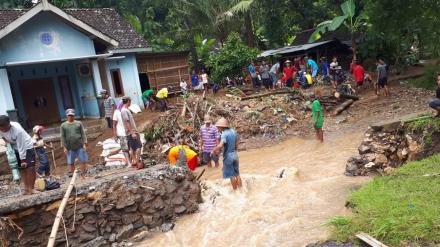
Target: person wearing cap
x=318, y=117
x=181, y=155
x=162, y=96
x=40, y=148
x=74, y=142
x=109, y=107
x=21, y=142
x=131, y=132
x=229, y=143
x=208, y=141
x=288, y=72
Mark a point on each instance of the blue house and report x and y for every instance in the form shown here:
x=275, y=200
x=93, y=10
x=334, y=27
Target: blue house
x=52, y=59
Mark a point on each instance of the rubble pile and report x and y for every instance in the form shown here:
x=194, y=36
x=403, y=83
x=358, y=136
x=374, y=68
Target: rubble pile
x=390, y=145
x=107, y=210
x=267, y=116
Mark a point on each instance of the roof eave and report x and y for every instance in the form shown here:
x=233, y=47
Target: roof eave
x=49, y=7
x=131, y=50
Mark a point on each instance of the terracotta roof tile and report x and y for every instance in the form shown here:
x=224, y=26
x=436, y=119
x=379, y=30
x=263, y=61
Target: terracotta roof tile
x=105, y=20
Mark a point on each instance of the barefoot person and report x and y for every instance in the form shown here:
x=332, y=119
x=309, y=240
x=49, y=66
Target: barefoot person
x=435, y=103
x=318, y=117
x=208, y=141
x=131, y=131
x=40, y=149
x=74, y=142
x=382, y=80
x=13, y=133
x=229, y=143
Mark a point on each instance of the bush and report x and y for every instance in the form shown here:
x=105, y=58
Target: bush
x=231, y=59
x=428, y=79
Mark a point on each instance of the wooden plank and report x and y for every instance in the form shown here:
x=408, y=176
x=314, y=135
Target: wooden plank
x=370, y=240
x=162, y=69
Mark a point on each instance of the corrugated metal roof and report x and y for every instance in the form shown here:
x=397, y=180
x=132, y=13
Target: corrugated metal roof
x=290, y=49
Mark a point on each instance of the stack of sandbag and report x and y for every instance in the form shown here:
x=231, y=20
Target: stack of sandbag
x=111, y=151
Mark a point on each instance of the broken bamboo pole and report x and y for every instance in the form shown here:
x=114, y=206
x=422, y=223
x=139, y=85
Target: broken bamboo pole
x=56, y=224
x=343, y=107
x=370, y=240
x=183, y=110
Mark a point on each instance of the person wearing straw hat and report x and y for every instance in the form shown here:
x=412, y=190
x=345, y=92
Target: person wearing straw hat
x=288, y=72
x=229, y=144
x=208, y=141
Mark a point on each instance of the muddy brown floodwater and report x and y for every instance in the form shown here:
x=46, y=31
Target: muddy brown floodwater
x=271, y=211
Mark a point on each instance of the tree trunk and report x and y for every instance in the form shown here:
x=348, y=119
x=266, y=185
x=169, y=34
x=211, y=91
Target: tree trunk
x=249, y=29
x=354, y=46
x=194, y=55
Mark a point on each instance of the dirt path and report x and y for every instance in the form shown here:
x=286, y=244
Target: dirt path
x=271, y=211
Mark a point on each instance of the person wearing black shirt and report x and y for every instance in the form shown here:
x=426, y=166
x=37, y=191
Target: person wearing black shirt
x=435, y=103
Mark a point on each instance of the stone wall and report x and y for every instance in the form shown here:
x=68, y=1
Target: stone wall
x=389, y=145
x=109, y=210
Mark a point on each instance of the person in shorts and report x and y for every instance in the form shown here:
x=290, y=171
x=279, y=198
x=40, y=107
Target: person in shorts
x=40, y=148
x=131, y=131
x=119, y=134
x=435, y=103
x=333, y=67
x=229, y=143
x=74, y=142
x=21, y=142
x=208, y=141
x=382, y=79
x=359, y=74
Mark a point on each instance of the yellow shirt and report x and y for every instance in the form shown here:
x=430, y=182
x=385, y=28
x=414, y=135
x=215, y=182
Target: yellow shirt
x=162, y=94
x=173, y=155
x=309, y=79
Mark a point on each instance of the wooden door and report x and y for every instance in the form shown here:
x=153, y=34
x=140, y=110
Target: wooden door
x=39, y=101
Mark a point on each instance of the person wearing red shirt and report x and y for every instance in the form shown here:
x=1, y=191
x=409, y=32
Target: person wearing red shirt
x=289, y=72
x=359, y=74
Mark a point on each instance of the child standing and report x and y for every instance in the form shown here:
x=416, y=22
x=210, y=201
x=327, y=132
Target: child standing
x=40, y=149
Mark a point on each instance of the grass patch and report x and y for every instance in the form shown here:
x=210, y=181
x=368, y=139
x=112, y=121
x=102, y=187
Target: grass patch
x=427, y=80
x=398, y=209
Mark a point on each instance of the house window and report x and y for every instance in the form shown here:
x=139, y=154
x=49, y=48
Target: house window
x=118, y=89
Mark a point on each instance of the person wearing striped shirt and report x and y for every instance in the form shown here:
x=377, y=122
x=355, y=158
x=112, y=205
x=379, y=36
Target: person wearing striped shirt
x=209, y=138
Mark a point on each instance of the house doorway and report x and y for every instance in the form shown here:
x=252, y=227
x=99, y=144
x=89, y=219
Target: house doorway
x=145, y=82
x=39, y=101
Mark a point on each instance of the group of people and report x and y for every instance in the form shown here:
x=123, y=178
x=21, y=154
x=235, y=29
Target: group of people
x=213, y=139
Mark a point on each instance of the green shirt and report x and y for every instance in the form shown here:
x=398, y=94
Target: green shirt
x=73, y=136
x=147, y=93
x=317, y=108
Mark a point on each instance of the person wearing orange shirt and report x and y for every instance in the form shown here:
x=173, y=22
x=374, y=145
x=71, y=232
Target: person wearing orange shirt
x=180, y=155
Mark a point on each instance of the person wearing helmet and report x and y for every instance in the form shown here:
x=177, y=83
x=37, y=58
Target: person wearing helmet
x=40, y=148
x=229, y=144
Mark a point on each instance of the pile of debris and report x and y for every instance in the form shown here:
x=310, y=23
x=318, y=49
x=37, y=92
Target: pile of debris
x=389, y=145
x=268, y=115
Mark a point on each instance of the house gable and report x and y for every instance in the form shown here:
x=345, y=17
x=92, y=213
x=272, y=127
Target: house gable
x=45, y=37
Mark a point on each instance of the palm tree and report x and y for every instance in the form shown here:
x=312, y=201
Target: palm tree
x=243, y=7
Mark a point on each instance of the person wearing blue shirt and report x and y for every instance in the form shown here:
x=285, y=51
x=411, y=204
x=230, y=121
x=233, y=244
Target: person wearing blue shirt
x=254, y=76
x=194, y=80
x=312, y=65
x=324, y=67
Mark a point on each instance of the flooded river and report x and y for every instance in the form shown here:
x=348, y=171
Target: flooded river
x=271, y=211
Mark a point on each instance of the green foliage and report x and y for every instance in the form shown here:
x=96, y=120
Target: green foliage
x=203, y=47
x=428, y=80
x=231, y=59
x=398, y=209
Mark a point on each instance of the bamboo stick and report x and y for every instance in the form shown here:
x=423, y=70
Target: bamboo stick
x=56, y=224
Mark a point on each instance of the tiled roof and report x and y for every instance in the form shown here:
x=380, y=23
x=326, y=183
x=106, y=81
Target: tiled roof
x=105, y=20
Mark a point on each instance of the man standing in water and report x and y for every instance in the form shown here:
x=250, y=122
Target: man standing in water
x=229, y=143
x=13, y=133
x=318, y=117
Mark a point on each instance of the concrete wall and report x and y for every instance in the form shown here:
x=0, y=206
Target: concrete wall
x=26, y=43
x=130, y=77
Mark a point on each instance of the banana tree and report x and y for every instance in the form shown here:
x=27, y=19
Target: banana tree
x=243, y=7
x=349, y=19
x=203, y=47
